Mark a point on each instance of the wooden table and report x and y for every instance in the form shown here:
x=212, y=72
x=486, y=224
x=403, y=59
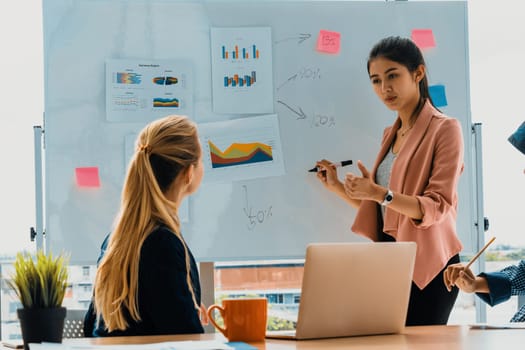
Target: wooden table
x=423, y=337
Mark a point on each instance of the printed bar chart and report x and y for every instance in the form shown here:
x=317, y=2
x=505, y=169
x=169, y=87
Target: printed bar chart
x=127, y=78
x=225, y=54
x=237, y=81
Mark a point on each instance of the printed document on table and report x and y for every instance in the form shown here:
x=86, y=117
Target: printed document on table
x=176, y=345
x=513, y=325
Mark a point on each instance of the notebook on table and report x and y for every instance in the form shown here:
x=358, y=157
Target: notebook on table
x=351, y=289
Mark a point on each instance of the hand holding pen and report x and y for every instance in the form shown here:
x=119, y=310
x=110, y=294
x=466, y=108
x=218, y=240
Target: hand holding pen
x=319, y=167
x=327, y=173
x=462, y=276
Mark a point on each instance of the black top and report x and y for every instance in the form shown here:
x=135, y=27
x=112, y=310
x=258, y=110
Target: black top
x=164, y=300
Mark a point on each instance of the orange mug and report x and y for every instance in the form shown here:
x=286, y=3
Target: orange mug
x=244, y=319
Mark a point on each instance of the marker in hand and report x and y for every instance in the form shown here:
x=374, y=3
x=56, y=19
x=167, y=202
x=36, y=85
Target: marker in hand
x=340, y=164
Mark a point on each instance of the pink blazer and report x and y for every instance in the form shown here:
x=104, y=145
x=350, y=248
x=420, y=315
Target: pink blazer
x=428, y=166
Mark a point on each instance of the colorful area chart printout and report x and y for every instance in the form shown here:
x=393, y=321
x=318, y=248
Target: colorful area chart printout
x=240, y=149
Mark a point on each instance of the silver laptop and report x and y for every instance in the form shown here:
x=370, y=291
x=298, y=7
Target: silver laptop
x=351, y=289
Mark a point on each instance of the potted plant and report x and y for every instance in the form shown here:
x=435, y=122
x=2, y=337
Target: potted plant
x=40, y=283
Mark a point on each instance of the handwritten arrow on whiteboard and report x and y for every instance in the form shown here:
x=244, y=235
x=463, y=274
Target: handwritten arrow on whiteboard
x=246, y=198
x=293, y=77
x=301, y=38
x=300, y=112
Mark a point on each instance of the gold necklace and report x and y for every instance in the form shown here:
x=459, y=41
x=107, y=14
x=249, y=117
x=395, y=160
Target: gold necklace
x=403, y=133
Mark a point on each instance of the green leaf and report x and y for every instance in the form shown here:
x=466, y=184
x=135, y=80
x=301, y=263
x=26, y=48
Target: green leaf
x=40, y=284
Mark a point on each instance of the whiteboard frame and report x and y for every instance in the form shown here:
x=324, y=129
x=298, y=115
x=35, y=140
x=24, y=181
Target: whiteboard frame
x=470, y=246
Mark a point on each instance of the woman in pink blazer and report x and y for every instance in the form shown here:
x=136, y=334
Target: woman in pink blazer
x=411, y=192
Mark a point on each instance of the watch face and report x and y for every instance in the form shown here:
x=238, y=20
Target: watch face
x=388, y=198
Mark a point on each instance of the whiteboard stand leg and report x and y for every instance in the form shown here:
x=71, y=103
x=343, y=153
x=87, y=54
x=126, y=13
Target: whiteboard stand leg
x=207, y=275
x=481, y=308
x=1, y=322
x=38, y=231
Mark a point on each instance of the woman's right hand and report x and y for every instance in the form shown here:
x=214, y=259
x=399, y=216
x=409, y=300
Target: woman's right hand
x=203, y=315
x=327, y=174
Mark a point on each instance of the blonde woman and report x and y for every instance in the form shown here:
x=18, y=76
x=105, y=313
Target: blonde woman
x=147, y=281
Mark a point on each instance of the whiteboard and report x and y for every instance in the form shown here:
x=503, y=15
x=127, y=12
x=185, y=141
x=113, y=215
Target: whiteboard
x=323, y=103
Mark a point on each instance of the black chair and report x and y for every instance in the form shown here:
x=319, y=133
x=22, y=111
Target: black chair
x=74, y=323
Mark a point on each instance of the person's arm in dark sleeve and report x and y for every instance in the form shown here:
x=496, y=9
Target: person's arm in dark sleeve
x=505, y=283
x=499, y=286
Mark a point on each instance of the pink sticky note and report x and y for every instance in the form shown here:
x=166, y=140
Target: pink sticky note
x=424, y=38
x=87, y=177
x=328, y=41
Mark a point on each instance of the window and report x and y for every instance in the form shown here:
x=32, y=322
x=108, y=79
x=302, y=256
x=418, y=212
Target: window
x=13, y=306
x=85, y=271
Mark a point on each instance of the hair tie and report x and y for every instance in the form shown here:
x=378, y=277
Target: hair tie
x=145, y=148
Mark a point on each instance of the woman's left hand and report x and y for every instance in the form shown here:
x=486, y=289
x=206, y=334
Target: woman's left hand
x=361, y=187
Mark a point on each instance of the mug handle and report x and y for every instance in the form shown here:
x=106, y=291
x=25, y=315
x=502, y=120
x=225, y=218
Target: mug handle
x=212, y=320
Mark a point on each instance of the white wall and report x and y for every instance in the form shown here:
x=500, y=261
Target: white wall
x=21, y=101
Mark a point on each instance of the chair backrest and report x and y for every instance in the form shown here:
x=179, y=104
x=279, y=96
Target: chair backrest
x=74, y=323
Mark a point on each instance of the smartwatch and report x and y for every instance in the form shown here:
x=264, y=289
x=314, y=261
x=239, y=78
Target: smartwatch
x=389, y=196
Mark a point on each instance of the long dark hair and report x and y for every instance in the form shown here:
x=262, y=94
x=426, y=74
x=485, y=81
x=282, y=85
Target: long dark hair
x=405, y=52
